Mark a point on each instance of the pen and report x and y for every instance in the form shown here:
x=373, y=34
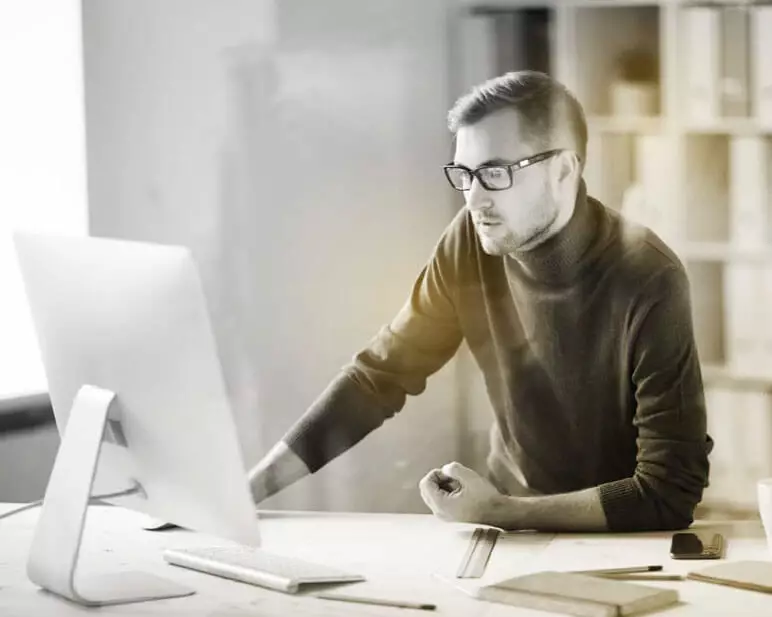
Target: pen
x=643, y=577
x=632, y=570
x=379, y=601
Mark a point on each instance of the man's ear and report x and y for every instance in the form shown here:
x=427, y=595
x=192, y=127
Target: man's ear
x=571, y=166
x=566, y=168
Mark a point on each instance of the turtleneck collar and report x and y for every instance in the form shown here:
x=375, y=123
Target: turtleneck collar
x=560, y=257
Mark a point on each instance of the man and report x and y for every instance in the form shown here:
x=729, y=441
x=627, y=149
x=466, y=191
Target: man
x=579, y=320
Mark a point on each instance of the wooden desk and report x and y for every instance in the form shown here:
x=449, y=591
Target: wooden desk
x=394, y=551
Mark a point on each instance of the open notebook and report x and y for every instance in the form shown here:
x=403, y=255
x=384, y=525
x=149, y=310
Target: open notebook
x=577, y=594
x=753, y=575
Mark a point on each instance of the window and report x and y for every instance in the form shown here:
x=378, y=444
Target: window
x=42, y=158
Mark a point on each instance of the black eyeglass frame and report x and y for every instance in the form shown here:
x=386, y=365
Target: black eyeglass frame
x=510, y=167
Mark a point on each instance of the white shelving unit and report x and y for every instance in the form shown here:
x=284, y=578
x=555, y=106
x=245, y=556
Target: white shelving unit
x=693, y=187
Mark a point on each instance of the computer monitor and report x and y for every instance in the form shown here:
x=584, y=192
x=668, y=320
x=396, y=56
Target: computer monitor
x=139, y=399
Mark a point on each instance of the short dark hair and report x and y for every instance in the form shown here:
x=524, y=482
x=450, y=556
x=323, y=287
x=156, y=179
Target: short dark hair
x=546, y=107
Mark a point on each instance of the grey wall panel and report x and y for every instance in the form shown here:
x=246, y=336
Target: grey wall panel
x=296, y=147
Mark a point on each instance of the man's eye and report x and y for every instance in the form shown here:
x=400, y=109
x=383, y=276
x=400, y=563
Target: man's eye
x=494, y=172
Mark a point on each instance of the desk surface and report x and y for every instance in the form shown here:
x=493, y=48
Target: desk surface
x=400, y=554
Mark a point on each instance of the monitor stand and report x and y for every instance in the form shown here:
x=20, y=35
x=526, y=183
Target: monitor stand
x=53, y=556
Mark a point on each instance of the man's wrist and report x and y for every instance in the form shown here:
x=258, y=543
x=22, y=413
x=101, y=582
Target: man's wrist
x=578, y=511
x=263, y=484
x=508, y=512
x=277, y=470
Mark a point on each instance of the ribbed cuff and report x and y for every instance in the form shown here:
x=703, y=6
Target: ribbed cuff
x=624, y=506
x=342, y=416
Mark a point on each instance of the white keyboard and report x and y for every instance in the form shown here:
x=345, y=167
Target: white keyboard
x=257, y=567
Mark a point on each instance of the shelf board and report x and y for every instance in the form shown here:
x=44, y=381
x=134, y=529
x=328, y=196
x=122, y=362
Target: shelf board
x=482, y=5
x=729, y=126
x=657, y=124
x=625, y=124
x=615, y=4
x=721, y=251
x=721, y=376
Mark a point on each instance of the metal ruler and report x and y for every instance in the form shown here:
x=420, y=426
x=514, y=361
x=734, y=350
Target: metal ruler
x=478, y=552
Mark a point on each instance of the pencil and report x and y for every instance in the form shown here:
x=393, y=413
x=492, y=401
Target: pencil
x=642, y=577
x=379, y=601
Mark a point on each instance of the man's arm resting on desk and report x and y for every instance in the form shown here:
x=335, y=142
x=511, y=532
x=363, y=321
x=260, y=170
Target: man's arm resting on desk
x=457, y=493
x=671, y=469
x=587, y=510
x=577, y=511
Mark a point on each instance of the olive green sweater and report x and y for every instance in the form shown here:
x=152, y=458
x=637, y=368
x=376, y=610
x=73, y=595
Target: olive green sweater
x=588, y=353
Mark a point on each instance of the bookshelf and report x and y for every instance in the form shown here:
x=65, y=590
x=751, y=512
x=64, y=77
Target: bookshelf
x=600, y=125
x=679, y=113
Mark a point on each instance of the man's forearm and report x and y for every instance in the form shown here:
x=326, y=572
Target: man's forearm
x=578, y=511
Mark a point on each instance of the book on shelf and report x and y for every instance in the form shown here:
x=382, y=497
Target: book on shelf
x=577, y=594
x=761, y=52
x=719, y=403
x=740, y=422
x=725, y=62
x=735, y=61
x=654, y=164
x=707, y=188
x=701, y=58
x=756, y=427
x=749, y=184
x=745, y=318
x=766, y=332
x=609, y=169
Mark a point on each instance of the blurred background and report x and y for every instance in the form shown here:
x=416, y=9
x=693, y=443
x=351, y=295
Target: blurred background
x=296, y=147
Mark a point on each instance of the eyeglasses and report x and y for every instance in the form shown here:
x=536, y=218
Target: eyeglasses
x=492, y=177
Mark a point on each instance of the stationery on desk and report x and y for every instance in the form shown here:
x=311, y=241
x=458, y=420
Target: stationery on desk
x=635, y=573
x=747, y=574
x=375, y=600
x=620, y=571
x=478, y=552
x=646, y=577
x=577, y=594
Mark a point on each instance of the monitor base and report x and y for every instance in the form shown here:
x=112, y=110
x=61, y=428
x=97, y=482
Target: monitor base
x=53, y=556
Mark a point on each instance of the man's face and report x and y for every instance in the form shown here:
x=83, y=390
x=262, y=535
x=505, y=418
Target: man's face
x=514, y=218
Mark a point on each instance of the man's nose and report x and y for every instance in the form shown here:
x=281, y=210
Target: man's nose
x=477, y=197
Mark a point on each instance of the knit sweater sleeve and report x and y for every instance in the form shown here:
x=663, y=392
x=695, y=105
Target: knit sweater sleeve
x=673, y=445
x=397, y=362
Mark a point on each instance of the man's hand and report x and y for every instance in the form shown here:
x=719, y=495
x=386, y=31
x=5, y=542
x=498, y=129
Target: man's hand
x=277, y=470
x=457, y=493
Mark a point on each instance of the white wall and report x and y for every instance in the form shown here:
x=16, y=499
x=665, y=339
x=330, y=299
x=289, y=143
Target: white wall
x=296, y=147
x=42, y=187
